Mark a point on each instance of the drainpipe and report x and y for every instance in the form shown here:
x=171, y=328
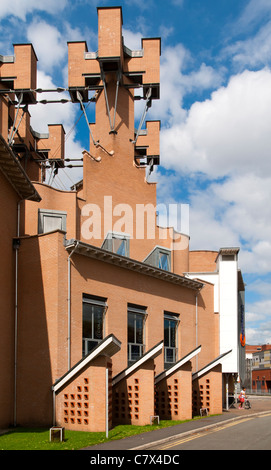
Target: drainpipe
x=106, y=403
x=69, y=306
x=16, y=247
x=197, y=293
x=196, y=329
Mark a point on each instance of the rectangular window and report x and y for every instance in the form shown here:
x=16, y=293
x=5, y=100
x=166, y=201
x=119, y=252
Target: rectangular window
x=136, y=327
x=94, y=309
x=171, y=322
x=50, y=220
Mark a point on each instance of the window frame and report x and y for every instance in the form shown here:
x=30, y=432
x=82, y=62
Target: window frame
x=153, y=257
x=108, y=243
x=42, y=213
x=139, y=312
x=174, y=318
x=94, y=301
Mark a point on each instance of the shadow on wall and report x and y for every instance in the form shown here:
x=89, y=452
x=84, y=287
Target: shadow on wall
x=37, y=316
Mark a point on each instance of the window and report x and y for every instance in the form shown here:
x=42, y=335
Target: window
x=160, y=258
x=170, y=338
x=94, y=309
x=118, y=243
x=49, y=220
x=163, y=261
x=136, y=324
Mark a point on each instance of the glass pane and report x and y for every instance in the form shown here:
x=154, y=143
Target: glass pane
x=135, y=352
x=139, y=329
x=166, y=332
x=91, y=345
x=173, y=334
x=131, y=332
x=119, y=246
x=169, y=355
x=87, y=320
x=51, y=223
x=88, y=346
x=163, y=261
x=98, y=322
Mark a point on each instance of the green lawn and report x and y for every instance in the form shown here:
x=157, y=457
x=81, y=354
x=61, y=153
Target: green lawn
x=39, y=439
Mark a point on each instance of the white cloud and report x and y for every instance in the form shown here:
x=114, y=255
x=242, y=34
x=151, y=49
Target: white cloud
x=177, y=3
x=260, y=335
x=227, y=141
x=253, y=12
x=43, y=114
x=208, y=228
x=58, y=113
x=260, y=286
x=257, y=259
x=48, y=43
x=179, y=76
x=252, y=317
x=254, y=51
x=225, y=134
x=20, y=8
x=132, y=39
x=232, y=212
x=245, y=210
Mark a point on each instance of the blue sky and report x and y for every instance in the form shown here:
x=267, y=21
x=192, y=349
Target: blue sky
x=215, y=112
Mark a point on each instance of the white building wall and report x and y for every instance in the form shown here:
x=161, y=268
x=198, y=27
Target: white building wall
x=225, y=281
x=228, y=309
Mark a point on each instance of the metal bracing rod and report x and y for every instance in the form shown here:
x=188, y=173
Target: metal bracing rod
x=58, y=90
x=150, y=169
x=52, y=174
x=97, y=144
x=79, y=97
x=36, y=90
x=64, y=101
x=12, y=130
x=15, y=132
x=40, y=90
x=106, y=100
x=116, y=100
x=147, y=106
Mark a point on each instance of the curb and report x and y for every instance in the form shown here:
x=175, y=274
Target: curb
x=197, y=431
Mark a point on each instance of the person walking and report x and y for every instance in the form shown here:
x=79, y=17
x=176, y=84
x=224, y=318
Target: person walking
x=242, y=398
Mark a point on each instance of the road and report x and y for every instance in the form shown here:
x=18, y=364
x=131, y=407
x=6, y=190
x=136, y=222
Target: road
x=249, y=433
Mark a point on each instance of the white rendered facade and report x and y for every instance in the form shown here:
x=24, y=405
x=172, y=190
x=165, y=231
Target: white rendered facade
x=229, y=304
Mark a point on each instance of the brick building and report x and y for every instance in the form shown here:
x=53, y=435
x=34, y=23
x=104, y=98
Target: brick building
x=107, y=318
x=258, y=359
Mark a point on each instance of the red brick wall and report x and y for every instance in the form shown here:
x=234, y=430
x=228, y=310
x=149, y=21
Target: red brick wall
x=207, y=392
x=8, y=230
x=133, y=397
x=42, y=325
x=202, y=261
x=81, y=404
x=173, y=395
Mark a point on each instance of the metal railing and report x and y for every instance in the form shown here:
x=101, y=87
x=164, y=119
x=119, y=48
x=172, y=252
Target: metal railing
x=135, y=351
x=253, y=391
x=170, y=356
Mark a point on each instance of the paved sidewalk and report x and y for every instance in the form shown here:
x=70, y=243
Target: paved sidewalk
x=144, y=441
